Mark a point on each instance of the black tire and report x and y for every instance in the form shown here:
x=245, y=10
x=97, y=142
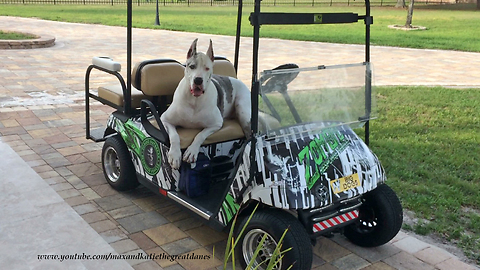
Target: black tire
x=117, y=164
x=380, y=218
x=274, y=222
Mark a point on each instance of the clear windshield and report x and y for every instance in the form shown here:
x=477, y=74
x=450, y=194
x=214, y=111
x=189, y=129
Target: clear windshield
x=321, y=96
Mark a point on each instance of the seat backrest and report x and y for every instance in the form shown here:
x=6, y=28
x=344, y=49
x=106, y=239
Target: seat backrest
x=158, y=77
x=221, y=66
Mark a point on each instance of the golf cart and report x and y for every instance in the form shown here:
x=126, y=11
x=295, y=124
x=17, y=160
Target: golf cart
x=304, y=166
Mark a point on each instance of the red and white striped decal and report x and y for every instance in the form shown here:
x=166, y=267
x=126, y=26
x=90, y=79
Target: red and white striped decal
x=331, y=222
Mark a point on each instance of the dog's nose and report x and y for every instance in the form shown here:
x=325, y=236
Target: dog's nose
x=198, y=81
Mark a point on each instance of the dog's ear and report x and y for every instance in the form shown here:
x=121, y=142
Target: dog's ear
x=193, y=49
x=210, y=51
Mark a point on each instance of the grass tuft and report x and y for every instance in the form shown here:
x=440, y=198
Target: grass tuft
x=7, y=35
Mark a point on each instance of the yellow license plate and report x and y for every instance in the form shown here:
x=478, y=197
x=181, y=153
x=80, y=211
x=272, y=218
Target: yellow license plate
x=345, y=183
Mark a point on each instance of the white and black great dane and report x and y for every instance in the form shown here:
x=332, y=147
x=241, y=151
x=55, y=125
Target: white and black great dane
x=202, y=100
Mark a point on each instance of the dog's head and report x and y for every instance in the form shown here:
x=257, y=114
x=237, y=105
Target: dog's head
x=199, y=69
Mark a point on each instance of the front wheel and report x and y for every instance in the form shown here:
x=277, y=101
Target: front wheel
x=380, y=218
x=273, y=223
x=117, y=164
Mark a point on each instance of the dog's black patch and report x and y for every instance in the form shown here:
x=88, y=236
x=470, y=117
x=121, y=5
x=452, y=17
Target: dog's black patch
x=224, y=89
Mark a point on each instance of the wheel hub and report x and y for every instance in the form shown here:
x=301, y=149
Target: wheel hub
x=252, y=241
x=111, y=164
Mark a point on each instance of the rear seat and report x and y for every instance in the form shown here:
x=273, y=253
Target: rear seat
x=114, y=94
x=158, y=77
x=221, y=66
x=150, y=78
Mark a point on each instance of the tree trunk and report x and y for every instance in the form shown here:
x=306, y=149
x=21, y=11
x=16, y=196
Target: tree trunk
x=401, y=4
x=410, y=14
x=478, y=4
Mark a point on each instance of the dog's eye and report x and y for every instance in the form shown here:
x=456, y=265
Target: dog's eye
x=192, y=66
x=207, y=69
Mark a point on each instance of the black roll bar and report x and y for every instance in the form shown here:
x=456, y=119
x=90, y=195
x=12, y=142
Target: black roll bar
x=237, y=36
x=88, y=95
x=255, y=90
x=368, y=77
x=128, y=97
x=305, y=18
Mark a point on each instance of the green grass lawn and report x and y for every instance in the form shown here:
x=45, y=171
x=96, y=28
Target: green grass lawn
x=428, y=140
x=447, y=29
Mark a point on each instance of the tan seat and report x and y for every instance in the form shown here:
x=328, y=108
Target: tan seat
x=157, y=77
x=149, y=78
x=231, y=130
x=114, y=94
x=221, y=66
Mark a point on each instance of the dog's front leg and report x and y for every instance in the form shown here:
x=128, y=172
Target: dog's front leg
x=174, y=153
x=191, y=153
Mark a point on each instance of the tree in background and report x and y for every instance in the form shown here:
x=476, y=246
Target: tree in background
x=401, y=4
x=408, y=23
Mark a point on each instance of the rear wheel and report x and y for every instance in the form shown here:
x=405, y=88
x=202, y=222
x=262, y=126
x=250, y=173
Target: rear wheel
x=380, y=218
x=117, y=164
x=273, y=223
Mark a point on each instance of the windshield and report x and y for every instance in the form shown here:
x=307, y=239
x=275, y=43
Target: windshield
x=322, y=96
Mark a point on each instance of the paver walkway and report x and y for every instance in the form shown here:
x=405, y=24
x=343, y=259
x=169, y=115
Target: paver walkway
x=42, y=120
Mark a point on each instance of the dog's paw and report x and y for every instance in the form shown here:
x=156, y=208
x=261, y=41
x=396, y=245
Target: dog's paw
x=174, y=158
x=191, y=154
x=247, y=130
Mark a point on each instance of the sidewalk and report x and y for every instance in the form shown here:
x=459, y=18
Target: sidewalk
x=42, y=137
x=36, y=220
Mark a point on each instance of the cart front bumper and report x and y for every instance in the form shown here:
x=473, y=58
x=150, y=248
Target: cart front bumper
x=320, y=221
x=334, y=222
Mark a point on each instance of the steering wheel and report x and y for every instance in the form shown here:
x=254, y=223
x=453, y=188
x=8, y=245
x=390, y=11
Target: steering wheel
x=278, y=82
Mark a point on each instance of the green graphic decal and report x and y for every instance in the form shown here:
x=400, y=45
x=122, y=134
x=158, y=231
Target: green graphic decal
x=146, y=148
x=151, y=156
x=120, y=128
x=131, y=135
x=323, y=151
x=229, y=208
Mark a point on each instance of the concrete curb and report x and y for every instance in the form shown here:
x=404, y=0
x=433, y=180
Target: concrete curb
x=43, y=41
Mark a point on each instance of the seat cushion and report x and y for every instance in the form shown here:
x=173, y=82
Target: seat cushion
x=158, y=77
x=231, y=130
x=224, y=67
x=114, y=94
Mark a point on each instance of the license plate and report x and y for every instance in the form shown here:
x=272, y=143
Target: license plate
x=345, y=183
